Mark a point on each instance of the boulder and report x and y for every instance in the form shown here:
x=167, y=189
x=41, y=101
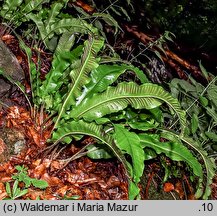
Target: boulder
x=10, y=66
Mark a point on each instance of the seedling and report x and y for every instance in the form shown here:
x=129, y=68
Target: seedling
x=22, y=176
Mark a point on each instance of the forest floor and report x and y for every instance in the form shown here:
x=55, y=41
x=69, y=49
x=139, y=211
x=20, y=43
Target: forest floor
x=23, y=142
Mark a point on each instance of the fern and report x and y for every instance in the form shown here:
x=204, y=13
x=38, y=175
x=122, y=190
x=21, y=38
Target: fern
x=175, y=150
x=78, y=89
x=79, y=75
x=105, y=75
x=30, y=6
x=114, y=99
x=33, y=72
x=65, y=42
x=107, y=18
x=18, y=84
x=90, y=129
x=9, y=7
x=59, y=26
x=129, y=142
x=58, y=75
x=16, y=11
x=209, y=164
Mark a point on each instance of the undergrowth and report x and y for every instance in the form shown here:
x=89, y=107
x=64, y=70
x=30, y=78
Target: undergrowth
x=21, y=176
x=82, y=93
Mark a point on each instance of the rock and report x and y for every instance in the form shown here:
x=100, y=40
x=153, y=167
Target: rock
x=4, y=88
x=12, y=142
x=19, y=146
x=9, y=63
x=10, y=66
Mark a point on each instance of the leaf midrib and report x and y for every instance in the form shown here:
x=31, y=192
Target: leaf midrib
x=101, y=139
x=122, y=97
x=165, y=149
x=75, y=83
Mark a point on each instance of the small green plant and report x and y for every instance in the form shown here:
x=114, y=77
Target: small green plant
x=199, y=101
x=84, y=94
x=74, y=197
x=15, y=192
x=22, y=176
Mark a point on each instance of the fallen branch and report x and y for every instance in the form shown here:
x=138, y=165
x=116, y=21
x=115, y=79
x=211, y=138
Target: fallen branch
x=170, y=57
x=86, y=7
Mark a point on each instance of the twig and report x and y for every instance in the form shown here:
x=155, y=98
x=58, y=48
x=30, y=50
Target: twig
x=148, y=184
x=74, y=157
x=86, y=7
x=145, y=39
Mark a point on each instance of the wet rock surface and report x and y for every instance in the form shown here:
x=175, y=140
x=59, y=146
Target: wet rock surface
x=12, y=142
x=10, y=66
x=9, y=63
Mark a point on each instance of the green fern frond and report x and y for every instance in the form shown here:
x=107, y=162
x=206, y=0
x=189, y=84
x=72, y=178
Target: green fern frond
x=58, y=74
x=93, y=130
x=80, y=75
x=114, y=99
x=54, y=25
x=209, y=164
x=175, y=150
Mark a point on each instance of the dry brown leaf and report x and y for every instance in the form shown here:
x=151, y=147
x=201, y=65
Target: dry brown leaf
x=39, y=171
x=3, y=195
x=34, y=194
x=62, y=191
x=87, y=8
x=179, y=189
x=2, y=188
x=52, y=181
x=168, y=187
x=56, y=165
x=36, y=162
x=2, y=146
x=6, y=179
x=113, y=181
x=49, y=197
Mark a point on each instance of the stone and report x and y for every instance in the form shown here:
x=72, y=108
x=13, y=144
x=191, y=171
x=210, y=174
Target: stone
x=10, y=66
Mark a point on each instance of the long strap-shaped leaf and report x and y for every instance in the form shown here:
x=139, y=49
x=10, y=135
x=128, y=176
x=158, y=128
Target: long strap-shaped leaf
x=175, y=151
x=129, y=142
x=93, y=130
x=48, y=28
x=57, y=75
x=9, y=6
x=89, y=62
x=79, y=75
x=107, y=74
x=208, y=163
x=114, y=99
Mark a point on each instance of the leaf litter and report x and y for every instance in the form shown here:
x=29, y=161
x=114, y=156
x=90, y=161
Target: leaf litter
x=83, y=178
